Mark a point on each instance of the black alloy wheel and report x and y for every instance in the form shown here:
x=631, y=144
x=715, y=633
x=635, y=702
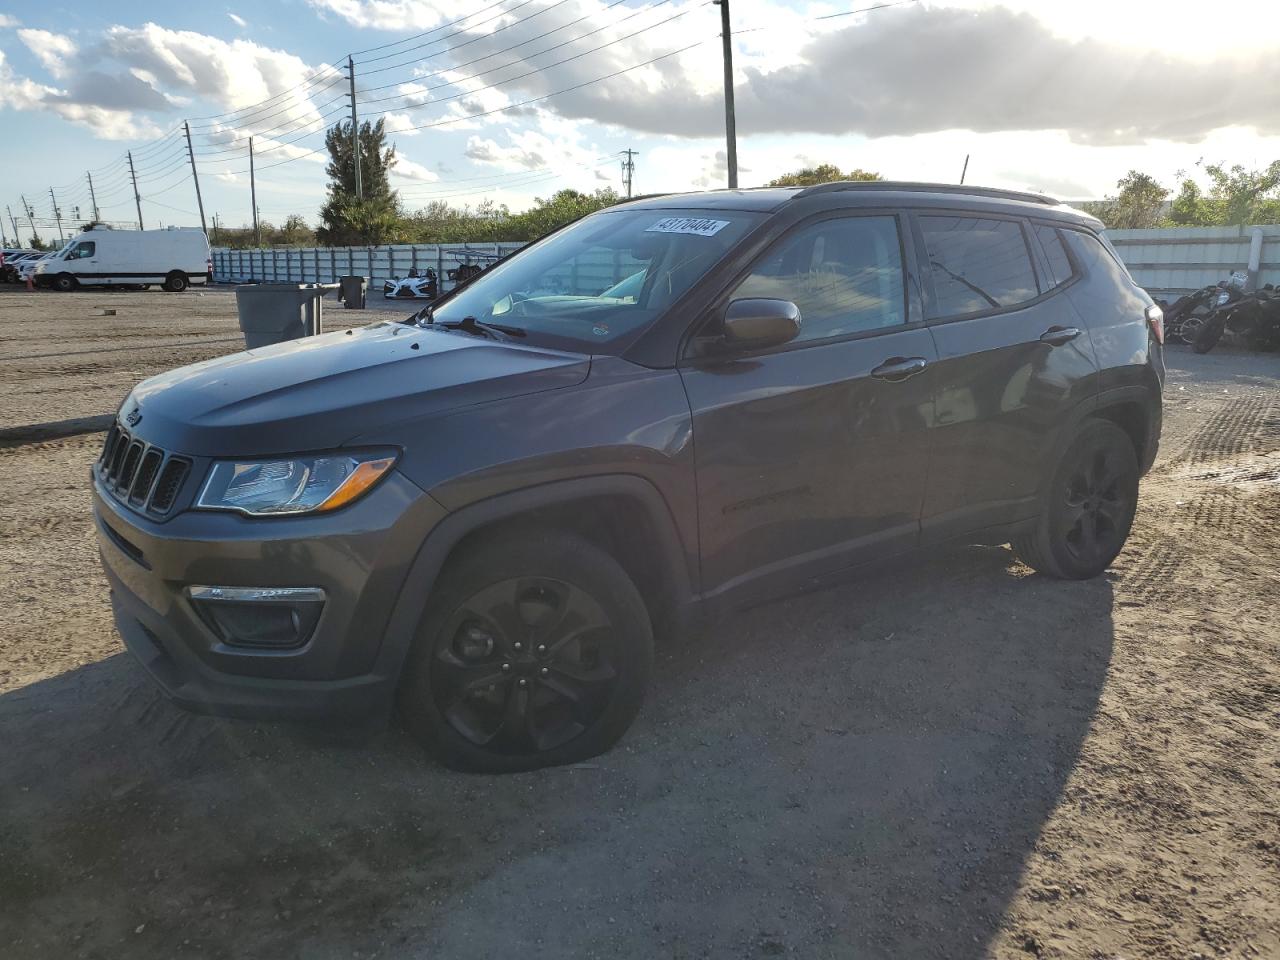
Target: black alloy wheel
x=526, y=666
x=1089, y=504
x=534, y=650
x=1096, y=508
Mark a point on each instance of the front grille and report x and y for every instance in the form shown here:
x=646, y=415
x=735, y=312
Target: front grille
x=142, y=475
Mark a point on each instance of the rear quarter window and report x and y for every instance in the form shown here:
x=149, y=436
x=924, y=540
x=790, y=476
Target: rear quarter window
x=1096, y=258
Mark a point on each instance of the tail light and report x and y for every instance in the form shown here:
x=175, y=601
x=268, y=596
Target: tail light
x=1155, y=320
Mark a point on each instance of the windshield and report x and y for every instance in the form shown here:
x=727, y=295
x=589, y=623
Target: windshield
x=600, y=281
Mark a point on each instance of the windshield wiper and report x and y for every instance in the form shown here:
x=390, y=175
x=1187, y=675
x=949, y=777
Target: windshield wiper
x=474, y=326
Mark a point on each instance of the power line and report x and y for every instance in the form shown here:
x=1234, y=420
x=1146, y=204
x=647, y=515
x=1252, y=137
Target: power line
x=487, y=56
x=514, y=106
x=465, y=43
x=443, y=26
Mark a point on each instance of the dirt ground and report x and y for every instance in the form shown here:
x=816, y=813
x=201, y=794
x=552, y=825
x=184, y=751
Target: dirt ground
x=950, y=757
x=63, y=359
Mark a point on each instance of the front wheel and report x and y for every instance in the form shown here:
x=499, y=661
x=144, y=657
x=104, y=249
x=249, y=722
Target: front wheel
x=535, y=650
x=1089, y=507
x=64, y=283
x=1207, y=336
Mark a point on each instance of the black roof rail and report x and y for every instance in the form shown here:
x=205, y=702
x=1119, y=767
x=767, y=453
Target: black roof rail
x=837, y=186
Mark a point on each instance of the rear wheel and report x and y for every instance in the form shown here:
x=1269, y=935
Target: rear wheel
x=1089, y=509
x=176, y=282
x=64, y=283
x=535, y=650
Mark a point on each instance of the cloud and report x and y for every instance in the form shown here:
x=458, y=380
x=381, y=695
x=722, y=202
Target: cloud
x=407, y=169
x=7, y=22
x=238, y=20
x=233, y=74
x=21, y=93
x=400, y=123
x=120, y=92
x=51, y=49
x=898, y=72
x=922, y=70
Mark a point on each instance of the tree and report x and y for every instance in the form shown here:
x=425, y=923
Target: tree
x=1189, y=207
x=37, y=243
x=563, y=206
x=346, y=218
x=1241, y=196
x=1139, y=203
x=822, y=173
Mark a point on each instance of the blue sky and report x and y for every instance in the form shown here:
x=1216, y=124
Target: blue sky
x=1053, y=96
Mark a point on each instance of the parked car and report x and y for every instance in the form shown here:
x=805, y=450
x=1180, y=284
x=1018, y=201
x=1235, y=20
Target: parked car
x=175, y=258
x=13, y=261
x=485, y=514
x=27, y=267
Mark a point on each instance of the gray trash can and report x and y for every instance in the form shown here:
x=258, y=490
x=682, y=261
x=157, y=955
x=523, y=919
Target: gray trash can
x=275, y=312
x=353, y=292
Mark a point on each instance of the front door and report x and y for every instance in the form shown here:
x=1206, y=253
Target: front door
x=814, y=454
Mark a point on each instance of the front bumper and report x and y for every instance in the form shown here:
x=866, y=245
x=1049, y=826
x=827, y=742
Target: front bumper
x=359, y=556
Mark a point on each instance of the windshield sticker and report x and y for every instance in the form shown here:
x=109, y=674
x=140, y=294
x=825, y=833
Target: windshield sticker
x=691, y=225
x=600, y=329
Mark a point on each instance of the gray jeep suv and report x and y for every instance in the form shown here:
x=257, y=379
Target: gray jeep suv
x=483, y=515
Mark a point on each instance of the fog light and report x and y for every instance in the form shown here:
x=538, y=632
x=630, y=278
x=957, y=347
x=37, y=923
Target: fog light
x=262, y=617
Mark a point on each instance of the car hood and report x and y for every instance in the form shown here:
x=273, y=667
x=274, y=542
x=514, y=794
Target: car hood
x=318, y=392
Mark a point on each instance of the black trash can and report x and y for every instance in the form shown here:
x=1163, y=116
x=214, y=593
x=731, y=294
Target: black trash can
x=353, y=292
x=275, y=312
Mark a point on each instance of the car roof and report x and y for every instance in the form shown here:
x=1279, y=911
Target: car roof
x=878, y=193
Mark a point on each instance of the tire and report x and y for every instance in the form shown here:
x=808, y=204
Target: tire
x=64, y=283
x=503, y=675
x=1089, y=506
x=1207, y=336
x=176, y=282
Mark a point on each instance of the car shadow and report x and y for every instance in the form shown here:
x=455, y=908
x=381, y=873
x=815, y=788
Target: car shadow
x=862, y=771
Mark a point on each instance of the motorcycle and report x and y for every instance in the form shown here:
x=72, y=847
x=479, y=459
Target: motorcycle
x=1255, y=317
x=1183, y=320
x=412, y=287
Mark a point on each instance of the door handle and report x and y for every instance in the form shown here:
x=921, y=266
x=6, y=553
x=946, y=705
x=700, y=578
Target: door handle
x=899, y=368
x=1057, y=336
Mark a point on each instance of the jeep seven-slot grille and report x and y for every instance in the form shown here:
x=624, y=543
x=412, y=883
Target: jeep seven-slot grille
x=140, y=474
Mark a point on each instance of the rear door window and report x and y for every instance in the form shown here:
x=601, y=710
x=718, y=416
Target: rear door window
x=977, y=264
x=844, y=274
x=1055, y=254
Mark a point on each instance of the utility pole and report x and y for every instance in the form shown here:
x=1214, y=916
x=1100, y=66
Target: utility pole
x=355, y=129
x=93, y=197
x=30, y=215
x=965, y=170
x=253, y=197
x=17, y=238
x=57, y=216
x=215, y=226
x=629, y=168
x=136, y=199
x=730, y=123
x=195, y=175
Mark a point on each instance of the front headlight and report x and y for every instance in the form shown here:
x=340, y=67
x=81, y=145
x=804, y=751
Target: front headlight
x=302, y=485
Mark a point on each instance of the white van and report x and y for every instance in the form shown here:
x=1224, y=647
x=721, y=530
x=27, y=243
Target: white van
x=174, y=258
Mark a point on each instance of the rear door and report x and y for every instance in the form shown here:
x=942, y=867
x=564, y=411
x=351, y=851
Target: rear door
x=1014, y=360
x=813, y=455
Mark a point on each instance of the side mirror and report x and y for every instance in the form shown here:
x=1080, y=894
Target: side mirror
x=758, y=323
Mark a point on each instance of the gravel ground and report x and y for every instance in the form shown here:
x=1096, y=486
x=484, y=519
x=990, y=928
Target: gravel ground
x=63, y=359
x=950, y=757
